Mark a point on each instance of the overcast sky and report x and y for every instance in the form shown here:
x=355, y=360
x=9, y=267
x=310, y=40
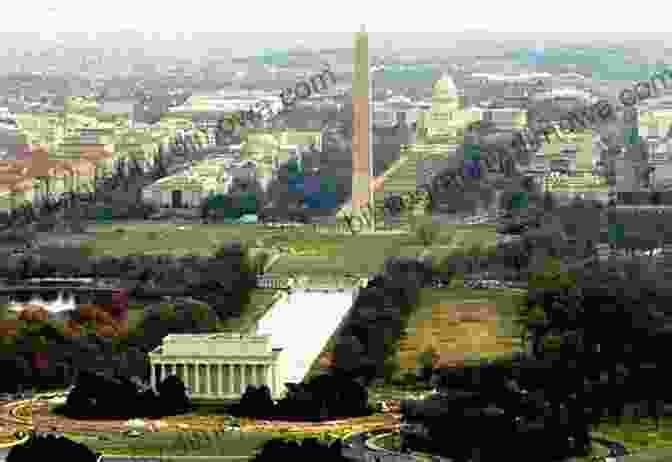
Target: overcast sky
x=326, y=17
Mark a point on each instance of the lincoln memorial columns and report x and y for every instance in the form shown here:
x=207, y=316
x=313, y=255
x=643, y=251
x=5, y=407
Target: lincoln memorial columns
x=217, y=366
x=260, y=374
x=197, y=379
x=230, y=390
x=152, y=376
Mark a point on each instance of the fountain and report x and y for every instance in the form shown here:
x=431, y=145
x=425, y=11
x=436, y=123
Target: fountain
x=58, y=308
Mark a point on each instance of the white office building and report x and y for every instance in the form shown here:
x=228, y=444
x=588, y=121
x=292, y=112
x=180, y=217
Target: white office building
x=231, y=101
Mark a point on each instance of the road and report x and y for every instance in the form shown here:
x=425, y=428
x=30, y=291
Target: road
x=129, y=457
x=616, y=449
x=9, y=421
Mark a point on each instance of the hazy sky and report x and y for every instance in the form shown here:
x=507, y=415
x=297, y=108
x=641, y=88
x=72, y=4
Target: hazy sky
x=597, y=16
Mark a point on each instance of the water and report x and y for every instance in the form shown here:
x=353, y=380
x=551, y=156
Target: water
x=61, y=304
x=301, y=325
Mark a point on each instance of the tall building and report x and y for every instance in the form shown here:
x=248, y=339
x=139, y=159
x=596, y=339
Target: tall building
x=361, y=136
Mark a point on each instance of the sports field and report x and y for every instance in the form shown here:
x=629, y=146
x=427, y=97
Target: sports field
x=461, y=322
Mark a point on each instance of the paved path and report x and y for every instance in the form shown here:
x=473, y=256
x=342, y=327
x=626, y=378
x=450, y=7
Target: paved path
x=617, y=449
x=130, y=457
x=9, y=422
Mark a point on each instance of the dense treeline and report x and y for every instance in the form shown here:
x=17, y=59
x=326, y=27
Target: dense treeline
x=229, y=271
x=50, y=447
x=597, y=340
x=500, y=409
x=221, y=290
x=566, y=316
x=84, y=345
x=325, y=397
x=370, y=335
x=99, y=396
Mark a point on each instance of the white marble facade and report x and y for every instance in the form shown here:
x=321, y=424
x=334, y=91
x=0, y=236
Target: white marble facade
x=217, y=366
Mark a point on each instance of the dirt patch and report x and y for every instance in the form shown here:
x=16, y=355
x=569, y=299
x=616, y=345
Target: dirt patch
x=454, y=330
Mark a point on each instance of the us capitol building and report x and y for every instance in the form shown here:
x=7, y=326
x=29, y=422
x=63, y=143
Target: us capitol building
x=218, y=366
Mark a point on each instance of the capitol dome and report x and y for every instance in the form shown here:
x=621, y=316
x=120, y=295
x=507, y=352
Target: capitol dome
x=445, y=90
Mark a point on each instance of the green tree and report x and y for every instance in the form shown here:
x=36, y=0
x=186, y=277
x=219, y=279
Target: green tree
x=167, y=312
x=552, y=276
x=426, y=361
x=391, y=369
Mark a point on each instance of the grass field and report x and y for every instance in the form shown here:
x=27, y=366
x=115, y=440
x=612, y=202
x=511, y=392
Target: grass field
x=365, y=254
x=168, y=238
x=170, y=443
x=304, y=250
x=639, y=434
x=135, y=315
x=473, y=323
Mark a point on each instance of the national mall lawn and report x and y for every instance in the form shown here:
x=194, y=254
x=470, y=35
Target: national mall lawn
x=300, y=250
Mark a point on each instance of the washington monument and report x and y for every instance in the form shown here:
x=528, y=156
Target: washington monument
x=361, y=136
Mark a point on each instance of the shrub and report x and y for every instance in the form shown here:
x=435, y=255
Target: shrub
x=391, y=369
x=111, y=397
x=172, y=395
x=256, y=402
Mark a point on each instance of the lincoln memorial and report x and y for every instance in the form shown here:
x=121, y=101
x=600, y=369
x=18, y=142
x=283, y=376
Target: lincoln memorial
x=217, y=366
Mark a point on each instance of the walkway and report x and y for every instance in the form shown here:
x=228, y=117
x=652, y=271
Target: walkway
x=11, y=418
x=135, y=458
x=617, y=449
